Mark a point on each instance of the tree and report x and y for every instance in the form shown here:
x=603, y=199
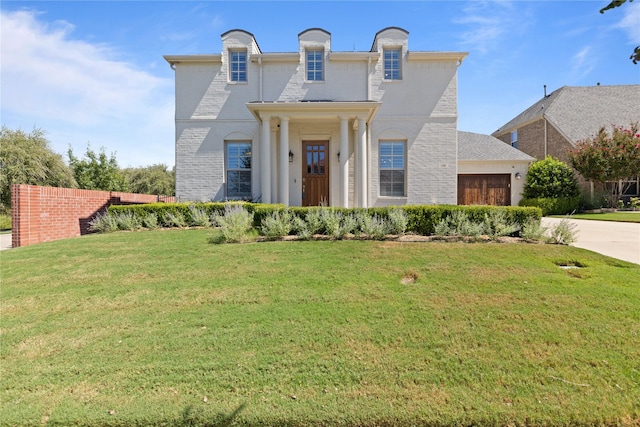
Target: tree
x=97, y=171
x=26, y=158
x=609, y=158
x=550, y=178
x=635, y=56
x=154, y=179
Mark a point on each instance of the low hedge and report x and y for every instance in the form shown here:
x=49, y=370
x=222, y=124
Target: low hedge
x=553, y=206
x=422, y=219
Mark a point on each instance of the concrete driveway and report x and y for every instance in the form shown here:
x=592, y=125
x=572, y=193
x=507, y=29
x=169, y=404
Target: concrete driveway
x=5, y=241
x=619, y=240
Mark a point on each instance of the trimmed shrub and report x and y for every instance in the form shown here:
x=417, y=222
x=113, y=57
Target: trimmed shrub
x=550, y=178
x=420, y=219
x=553, y=206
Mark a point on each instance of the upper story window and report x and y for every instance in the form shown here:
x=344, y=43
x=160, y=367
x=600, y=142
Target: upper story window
x=514, y=139
x=392, y=168
x=392, y=64
x=238, y=65
x=315, y=64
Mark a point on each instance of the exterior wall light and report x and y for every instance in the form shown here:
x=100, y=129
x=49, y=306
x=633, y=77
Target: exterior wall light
x=338, y=156
x=290, y=156
x=518, y=175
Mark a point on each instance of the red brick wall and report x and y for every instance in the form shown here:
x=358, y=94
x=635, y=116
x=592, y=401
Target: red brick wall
x=42, y=214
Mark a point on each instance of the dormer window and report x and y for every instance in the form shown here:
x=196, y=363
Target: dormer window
x=315, y=66
x=238, y=65
x=392, y=69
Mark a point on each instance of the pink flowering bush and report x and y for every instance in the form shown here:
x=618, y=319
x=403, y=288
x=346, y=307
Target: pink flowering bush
x=609, y=157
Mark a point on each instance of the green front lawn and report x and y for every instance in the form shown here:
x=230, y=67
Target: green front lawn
x=608, y=216
x=160, y=328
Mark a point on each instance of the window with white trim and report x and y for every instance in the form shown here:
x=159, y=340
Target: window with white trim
x=514, y=139
x=238, y=162
x=315, y=64
x=238, y=65
x=392, y=69
x=392, y=168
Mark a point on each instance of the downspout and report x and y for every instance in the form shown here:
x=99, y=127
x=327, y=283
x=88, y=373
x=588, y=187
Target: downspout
x=369, y=78
x=261, y=85
x=545, y=136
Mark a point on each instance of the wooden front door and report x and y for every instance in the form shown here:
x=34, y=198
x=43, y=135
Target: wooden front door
x=484, y=190
x=315, y=173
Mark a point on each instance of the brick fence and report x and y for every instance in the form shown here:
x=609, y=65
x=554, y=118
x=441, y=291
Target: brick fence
x=42, y=214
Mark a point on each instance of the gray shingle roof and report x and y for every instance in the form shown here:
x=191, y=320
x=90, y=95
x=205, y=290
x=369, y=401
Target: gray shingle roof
x=479, y=147
x=580, y=111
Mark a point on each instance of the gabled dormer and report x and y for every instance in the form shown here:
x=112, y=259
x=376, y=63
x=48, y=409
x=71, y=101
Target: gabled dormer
x=314, y=45
x=392, y=43
x=237, y=48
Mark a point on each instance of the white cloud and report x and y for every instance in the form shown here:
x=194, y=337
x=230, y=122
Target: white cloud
x=81, y=90
x=583, y=62
x=630, y=22
x=488, y=23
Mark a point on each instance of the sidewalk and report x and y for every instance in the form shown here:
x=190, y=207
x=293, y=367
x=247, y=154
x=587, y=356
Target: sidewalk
x=619, y=240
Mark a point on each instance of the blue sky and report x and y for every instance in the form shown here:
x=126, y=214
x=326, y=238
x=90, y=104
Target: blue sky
x=92, y=71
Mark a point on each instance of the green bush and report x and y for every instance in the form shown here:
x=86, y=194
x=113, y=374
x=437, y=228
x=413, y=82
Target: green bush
x=554, y=206
x=5, y=222
x=458, y=223
x=533, y=230
x=235, y=224
x=276, y=225
x=415, y=219
x=550, y=178
x=563, y=233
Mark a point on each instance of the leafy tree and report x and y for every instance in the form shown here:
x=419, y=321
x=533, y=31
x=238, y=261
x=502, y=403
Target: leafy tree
x=550, y=178
x=154, y=179
x=605, y=158
x=26, y=158
x=635, y=56
x=97, y=171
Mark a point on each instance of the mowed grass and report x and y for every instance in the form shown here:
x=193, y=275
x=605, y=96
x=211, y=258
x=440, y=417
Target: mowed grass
x=608, y=216
x=161, y=328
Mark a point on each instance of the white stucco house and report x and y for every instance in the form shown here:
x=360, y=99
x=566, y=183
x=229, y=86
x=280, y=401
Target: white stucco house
x=316, y=126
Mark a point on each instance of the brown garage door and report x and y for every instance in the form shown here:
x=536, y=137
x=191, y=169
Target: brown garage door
x=484, y=190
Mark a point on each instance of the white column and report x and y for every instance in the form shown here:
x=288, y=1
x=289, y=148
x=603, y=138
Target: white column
x=265, y=159
x=362, y=162
x=274, y=166
x=284, y=161
x=344, y=162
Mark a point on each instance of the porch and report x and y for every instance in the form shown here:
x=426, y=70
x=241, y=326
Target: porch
x=309, y=150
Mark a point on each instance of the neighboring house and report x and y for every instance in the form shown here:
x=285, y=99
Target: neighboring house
x=352, y=129
x=489, y=172
x=554, y=124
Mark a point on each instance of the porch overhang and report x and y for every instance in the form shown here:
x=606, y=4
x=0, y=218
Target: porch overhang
x=315, y=110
